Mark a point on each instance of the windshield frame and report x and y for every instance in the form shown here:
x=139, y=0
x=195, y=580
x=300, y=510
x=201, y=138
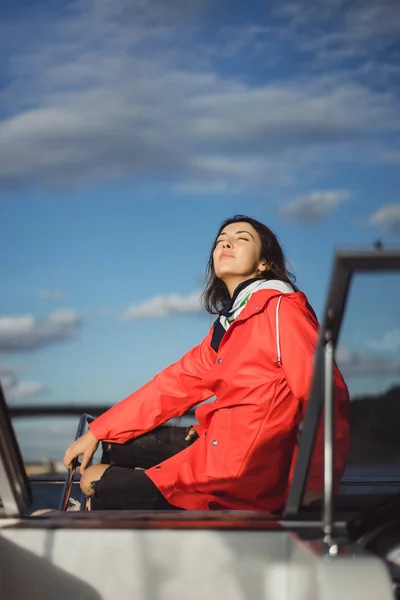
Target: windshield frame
x=347, y=263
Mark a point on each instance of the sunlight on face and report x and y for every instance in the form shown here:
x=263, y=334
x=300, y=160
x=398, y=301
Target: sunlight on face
x=236, y=256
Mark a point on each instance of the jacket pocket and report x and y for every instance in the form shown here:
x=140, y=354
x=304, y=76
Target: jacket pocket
x=218, y=440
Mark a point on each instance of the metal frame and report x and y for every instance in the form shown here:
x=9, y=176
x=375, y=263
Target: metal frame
x=346, y=263
x=62, y=410
x=15, y=498
x=69, y=478
x=15, y=493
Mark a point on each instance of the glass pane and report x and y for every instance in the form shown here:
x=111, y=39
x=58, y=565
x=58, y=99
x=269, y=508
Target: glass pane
x=43, y=441
x=369, y=356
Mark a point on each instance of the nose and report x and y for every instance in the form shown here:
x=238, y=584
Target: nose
x=226, y=244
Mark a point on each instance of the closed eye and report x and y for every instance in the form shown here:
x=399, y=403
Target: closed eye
x=239, y=238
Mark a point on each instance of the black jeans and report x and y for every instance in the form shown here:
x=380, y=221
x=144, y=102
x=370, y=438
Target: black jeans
x=124, y=485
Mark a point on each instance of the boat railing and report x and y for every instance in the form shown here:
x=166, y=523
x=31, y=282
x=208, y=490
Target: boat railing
x=62, y=410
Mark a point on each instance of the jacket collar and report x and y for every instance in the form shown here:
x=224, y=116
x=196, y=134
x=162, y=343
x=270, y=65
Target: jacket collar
x=258, y=301
x=256, y=304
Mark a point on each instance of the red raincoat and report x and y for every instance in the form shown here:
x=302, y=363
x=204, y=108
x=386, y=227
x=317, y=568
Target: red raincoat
x=245, y=454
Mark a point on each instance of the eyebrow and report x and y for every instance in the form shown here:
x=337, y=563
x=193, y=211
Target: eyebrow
x=241, y=231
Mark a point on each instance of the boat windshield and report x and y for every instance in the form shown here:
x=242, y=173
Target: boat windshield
x=368, y=354
x=366, y=333
x=362, y=318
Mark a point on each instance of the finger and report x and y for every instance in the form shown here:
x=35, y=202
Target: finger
x=69, y=457
x=190, y=434
x=68, y=463
x=66, y=460
x=85, y=461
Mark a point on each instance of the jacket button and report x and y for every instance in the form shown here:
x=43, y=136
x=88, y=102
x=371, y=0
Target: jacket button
x=158, y=467
x=255, y=307
x=219, y=360
x=214, y=442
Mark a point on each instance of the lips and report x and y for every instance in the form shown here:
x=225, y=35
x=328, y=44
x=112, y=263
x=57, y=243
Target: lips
x=226, y=255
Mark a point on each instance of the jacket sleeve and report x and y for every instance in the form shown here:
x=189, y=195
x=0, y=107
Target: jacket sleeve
x=169, y=394
x=298, y=336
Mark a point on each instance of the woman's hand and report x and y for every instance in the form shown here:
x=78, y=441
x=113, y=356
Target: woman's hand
x=190, y=434
x=84, y=446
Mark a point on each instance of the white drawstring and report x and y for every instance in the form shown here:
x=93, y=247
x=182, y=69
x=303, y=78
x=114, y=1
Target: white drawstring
x=278, y=342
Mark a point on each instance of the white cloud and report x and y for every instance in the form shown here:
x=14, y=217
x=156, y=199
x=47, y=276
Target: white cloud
x=390, y=342
x=214, y=188
x=165, y=305
x=51, y=295
x=8, y=376
x=373, y=22
x=354, y=363
x=24, y=389
x=13, y=388
x=140, y=97
x=387, y=218
x=314, y=206
x=337, y=29
x=26, y=332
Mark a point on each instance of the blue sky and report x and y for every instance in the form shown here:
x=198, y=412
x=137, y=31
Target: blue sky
x=129, y=131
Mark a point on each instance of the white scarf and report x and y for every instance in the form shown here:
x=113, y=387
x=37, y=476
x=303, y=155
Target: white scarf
x=245, y=294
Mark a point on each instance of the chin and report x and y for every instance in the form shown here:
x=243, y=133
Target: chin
x=224, y=273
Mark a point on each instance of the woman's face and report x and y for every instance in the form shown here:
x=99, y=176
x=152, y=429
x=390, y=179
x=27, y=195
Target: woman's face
x=237, y=253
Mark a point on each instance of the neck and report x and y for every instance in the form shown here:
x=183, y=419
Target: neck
x=233, y=282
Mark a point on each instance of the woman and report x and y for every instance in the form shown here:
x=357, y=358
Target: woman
x=257, y=361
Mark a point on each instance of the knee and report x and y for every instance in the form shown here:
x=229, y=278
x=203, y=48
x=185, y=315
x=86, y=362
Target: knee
x=92, y=474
